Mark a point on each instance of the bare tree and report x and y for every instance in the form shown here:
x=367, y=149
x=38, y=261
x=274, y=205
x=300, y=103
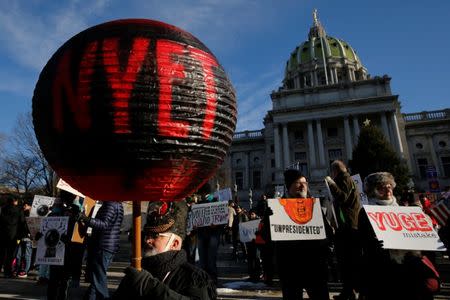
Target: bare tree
x=24, y=166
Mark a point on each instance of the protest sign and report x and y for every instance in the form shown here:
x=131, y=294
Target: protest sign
x=403, y=227
x=206, y=214
x=79, y=230
x=50, y=248
x=359, y=183
x=62, y=185
x=279, y=190
x=296, y=219
x=247, y=230
x=34, y=225
x=223, y=195
x=41, y=206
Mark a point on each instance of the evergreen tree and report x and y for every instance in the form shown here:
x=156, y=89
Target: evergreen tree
x=374, y=153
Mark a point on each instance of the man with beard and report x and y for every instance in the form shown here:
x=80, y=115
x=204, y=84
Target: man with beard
x=166, y=272
x=302, y=264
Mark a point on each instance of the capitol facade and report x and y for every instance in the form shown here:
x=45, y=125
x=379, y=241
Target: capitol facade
x=326, y=97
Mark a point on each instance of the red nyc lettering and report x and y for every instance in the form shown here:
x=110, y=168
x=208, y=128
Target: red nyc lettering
x=400, y=221
x=121, y=80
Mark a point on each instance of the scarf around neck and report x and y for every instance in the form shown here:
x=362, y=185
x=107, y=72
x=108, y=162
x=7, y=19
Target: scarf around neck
x=161, y=264
x=391, y=202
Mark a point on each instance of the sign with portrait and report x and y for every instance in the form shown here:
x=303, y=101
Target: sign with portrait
x=359, y=183
x=247, y=230
x=41, y=206
x=296, y=219
x=50, y=248
x=403, y=227
x=205, y=214
x=223, y=194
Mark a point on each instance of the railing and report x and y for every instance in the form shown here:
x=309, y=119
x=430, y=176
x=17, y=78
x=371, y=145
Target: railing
x=427, y=115
x=248, y=134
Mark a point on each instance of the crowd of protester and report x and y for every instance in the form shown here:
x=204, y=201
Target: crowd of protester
x=364, y=265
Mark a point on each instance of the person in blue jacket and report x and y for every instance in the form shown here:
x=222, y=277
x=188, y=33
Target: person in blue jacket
x=102, y=245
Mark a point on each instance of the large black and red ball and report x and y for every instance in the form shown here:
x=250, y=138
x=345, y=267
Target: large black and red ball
x=134, y=110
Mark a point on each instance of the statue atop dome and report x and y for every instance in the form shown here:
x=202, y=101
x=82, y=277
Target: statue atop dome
x=317, y=30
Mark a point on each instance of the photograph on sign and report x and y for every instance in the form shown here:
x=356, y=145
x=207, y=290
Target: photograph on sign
x=247, y=230
x=296, y=219
x=205, y=214
x=34, y=226
x=50, y=248
x=403, y=227
x=41, y=206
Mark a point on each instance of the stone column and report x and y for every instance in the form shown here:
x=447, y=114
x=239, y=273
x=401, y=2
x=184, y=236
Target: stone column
x=316, y=79
x=355, y=130
x=348, y=138
x=312, y=150
x=247, y=170
x=434, y=157
x=277, y=146
x=397, y=138
x=286, y=160
x=384, y=126
x=336, y=75
x=311, y=78
x=320, y=143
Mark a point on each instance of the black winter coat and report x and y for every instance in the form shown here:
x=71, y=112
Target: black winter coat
x=166, y=276
x=106, y=227
x=11, y=223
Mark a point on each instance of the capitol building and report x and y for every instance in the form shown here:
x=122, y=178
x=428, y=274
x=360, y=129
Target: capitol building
x=326, y=96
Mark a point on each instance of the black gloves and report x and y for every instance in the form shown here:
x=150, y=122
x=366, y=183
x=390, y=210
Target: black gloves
x=83, y=218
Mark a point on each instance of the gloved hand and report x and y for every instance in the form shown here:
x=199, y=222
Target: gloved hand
x=83, y=218
x=330, y=180
x=141, y=281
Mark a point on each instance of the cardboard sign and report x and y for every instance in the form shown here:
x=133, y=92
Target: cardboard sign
x=296, y=219
x=403, y=227
x=80, y=231
x=205, y=214
x=247, y=230
x=50, y=249
x=41, y=206
x=223, y=195
x=359, y=183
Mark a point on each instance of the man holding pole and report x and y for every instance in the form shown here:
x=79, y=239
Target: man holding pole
x=166, y=272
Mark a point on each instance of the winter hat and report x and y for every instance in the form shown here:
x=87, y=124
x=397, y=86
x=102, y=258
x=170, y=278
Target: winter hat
x=167, y=217
x=375, y=179
x=290, y=176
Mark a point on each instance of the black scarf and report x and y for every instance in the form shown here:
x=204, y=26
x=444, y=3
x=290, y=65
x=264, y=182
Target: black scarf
x=159, y=265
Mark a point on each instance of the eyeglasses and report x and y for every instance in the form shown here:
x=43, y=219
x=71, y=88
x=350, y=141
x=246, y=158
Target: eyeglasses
x=155, y=235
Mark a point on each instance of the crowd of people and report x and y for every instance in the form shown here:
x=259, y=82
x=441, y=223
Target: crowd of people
x=182, y=264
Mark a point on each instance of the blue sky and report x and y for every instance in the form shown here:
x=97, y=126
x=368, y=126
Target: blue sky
x=252, y=39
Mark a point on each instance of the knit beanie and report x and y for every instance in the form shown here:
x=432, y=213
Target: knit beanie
x=375, y=179
x=290, y=176
x=167, y=217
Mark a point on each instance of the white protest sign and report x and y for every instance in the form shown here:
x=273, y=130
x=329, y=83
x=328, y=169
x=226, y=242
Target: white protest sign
x=403, y=227
x=206, y=214
x=279, y=190
x=223, y=194
x=62, y=185
x=34, y=225
x=296, y=219
x=359, y=183
x=41, y=206
x=247, y=230
x=50, y=249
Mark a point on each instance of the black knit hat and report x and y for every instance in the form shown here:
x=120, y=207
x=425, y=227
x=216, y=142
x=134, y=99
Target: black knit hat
x=167, y=217
x=290, y=176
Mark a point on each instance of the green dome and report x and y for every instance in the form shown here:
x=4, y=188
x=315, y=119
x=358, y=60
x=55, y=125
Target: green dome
x=341, y=60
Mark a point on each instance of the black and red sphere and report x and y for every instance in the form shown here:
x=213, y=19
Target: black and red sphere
x=134, y=110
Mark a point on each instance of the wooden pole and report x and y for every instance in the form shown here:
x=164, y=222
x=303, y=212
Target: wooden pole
x=137, y=219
